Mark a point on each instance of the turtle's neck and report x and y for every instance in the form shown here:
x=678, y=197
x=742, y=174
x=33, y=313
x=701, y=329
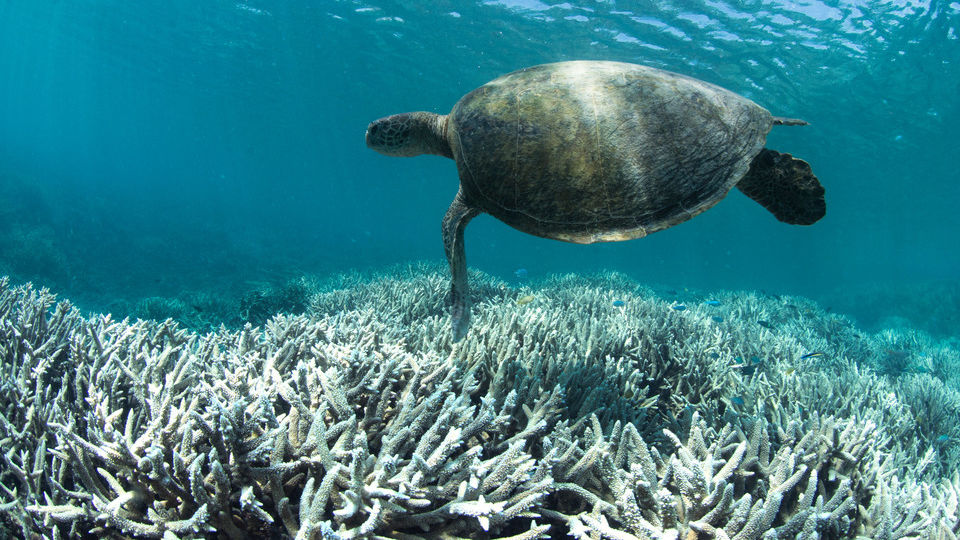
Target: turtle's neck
x=434, y=133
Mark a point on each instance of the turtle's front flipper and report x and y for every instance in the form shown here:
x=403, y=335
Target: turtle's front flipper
x=785, y=186
x=456, y=219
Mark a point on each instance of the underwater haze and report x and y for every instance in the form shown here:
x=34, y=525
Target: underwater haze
x=147, y=149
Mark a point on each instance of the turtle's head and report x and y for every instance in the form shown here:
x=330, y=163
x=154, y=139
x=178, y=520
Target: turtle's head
x=409, y=134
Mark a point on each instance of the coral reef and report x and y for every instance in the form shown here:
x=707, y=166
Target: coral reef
x=196, y=311
x=572, y=414
x=932, y=306
x=60, y=234
x=203, y=311
x=30, y=243
x=260, y=304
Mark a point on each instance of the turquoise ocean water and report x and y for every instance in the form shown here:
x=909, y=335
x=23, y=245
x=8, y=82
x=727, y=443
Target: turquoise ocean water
x=204, y=160
x=147, y=148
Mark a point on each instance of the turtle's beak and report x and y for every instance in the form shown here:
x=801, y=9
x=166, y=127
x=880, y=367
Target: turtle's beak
x=377, y=136
x=388, y=136
x=367, y=134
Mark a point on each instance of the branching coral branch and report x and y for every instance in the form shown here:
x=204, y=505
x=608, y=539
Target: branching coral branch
x=567, y=416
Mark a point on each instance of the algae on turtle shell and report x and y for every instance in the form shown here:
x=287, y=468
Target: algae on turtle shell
x=593, y=151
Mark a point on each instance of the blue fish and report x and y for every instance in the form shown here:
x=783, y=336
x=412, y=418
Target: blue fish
x=738, y=401
x=521, y=273
x=714, y=355
x=679, y=307
x=943, y=438
x=712, y=302
x=716, y=318
x=619, y=303
x=817, y=354
x=766, y=324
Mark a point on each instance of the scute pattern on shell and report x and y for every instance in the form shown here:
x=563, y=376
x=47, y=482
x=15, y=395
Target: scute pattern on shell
x=601, y=151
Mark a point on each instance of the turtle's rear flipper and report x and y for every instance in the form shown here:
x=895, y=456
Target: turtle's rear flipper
x=785, y=186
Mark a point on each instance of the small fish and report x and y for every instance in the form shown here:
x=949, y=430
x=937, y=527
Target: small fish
x=716, y=318
x=679, y=307
x=714, y=355
x=789, y=371
x=649, y=402
x=521, y=273
x=619, y=303
x=816, y=354
x=712, y=302
x=755, y=360
x=943, y=438
x=766, y=324
x=738, y=401
x=524, y=300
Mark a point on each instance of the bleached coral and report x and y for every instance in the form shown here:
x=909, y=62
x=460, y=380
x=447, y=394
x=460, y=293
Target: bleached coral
x=362, y=420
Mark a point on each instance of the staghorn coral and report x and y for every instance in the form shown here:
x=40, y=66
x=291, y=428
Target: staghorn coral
x=725, y=485
x=157, y=446
x=361, y=420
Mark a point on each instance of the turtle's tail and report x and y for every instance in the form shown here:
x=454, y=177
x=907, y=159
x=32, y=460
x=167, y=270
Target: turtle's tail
x=786, y=187
x=784, y=121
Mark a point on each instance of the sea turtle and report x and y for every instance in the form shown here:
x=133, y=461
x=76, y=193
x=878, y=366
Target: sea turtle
x=593, y=151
